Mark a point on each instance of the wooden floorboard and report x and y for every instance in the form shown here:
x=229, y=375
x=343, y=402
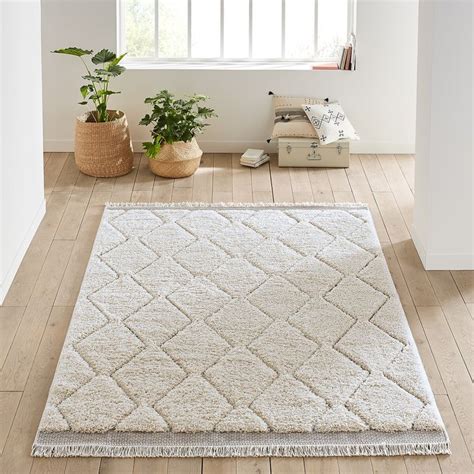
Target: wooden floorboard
x=36, y=312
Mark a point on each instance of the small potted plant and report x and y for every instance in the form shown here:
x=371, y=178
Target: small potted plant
x=102, y=145
x=174, y=151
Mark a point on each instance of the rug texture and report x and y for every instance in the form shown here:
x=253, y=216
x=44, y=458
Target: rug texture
x=237, y=330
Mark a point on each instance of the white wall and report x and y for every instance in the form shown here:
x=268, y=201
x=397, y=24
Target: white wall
x=444, y=201
x=21, y=147
x=379, y=97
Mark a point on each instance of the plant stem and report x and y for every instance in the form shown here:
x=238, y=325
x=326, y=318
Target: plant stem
x=95, y=89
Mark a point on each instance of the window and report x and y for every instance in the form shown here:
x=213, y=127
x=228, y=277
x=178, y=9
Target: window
x=234, y=30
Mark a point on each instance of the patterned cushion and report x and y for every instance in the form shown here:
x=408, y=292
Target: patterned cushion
x=330, y=122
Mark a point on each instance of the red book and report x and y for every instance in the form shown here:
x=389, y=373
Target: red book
x=325, y=66
x=347, y=65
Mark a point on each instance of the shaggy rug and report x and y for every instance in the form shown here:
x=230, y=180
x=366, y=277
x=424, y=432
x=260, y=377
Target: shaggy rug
x=237, y=330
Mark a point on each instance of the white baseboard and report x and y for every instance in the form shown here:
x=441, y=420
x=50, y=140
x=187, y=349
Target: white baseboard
x=442, y=261
x=207, y=146
x=21, y=250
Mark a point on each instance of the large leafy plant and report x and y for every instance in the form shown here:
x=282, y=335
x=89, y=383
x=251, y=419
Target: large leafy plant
x=174, y=119
x=96, y=89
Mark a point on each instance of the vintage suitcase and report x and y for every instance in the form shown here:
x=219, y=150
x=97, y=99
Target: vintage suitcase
x=308, y=152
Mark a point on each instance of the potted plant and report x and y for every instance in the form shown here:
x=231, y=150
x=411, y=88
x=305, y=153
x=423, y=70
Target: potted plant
x=174, y=151
x=102, y=145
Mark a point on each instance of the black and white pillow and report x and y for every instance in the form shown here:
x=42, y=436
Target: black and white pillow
x=330, y=122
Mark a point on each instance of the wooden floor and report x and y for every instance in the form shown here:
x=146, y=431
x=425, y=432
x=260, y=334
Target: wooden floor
x=33, y=321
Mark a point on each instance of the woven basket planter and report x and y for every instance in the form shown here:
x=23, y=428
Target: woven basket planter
x=103, y=149
x=177, y=160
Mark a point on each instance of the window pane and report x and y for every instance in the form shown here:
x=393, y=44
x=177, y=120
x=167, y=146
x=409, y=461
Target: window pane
x=205, y=29
x=236, y=28
x=139, y=25
x=299, y=29
x=173, y=28
x=332, y=27
x=266, y=29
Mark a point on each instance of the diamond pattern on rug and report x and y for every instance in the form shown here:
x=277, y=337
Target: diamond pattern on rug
x=237, y=239
x=356, y=298
x=168, y=239
x=237, y=277
x=331, y=375
x=109, y=348
x=238, y=320
x=121, y=298
x=369, y=346
x=204, y=223
x=240, y=376
x=138, y=256
x=157, y=322
x=136, y=224
x=140, y=379
x=321, y=321
x=278, y=298
x=345, y=256
x=313, y=276
x=99, y=274
x=143, y=419
x=283, y=347
x=199, y=299
x=241, y=420
x=338, y=223
x=194, y=405
x=96, y=407
x=397, y=414
x=289, y=406
x=235, y=329
x=163, y=276
x=270, y=223
x=196, y=347
x=273, y=257
x=201, y=257
x=306, y=239
x=339, y=419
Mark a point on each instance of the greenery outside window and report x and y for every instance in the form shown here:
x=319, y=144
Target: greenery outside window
x=234, y=31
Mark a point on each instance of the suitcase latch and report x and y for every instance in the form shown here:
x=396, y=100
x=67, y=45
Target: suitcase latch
x=288, y=149
x=312, y=155
x=339, y=149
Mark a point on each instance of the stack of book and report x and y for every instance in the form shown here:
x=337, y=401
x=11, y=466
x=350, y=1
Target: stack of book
x=348, y=59
x=254, y=158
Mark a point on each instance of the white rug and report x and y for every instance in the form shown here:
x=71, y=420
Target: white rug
x=237, y=330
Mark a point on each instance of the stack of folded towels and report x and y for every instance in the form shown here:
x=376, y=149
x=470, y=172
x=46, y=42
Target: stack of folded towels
x=254, y=158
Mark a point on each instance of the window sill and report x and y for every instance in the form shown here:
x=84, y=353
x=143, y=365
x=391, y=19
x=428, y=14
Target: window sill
x=227, y=66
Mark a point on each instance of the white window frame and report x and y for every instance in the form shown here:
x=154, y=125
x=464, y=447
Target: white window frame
x=221, y=60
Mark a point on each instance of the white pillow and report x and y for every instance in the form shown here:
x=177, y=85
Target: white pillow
x=330, y=122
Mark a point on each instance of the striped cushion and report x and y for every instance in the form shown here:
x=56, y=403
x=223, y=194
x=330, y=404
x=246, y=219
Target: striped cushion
x=289, y=118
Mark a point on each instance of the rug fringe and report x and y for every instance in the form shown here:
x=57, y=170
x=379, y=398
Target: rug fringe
x=240, y=451
x=171, y=205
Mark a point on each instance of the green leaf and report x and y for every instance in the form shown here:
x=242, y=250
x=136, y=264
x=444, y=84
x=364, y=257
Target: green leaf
x=102, y=92
x=73, y=51
x=84, y=91
x=151, y=149
x=84, y=102
x=118, y=59
x=146, y=120
x=90, y=77
x=103, y=56
x=114, y=69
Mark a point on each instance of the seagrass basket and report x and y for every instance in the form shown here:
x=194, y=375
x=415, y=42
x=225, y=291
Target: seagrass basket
x=103, y=149
x=177, y=160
